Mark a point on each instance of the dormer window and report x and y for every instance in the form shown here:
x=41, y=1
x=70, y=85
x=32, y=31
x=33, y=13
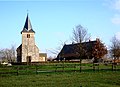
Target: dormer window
x=28, y=35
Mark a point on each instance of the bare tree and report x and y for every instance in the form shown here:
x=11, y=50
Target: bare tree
x=80, y=35
x=115, y=48
x=57, y=50
x=12, y=52
x=8, y=54
x=50, y=58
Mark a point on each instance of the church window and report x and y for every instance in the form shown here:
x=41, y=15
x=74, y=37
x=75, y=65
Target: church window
x=28, y=35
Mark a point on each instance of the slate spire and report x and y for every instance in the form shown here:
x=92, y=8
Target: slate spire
x=27, y=26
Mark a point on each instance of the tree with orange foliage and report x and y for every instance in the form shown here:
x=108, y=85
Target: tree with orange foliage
x=99, y=50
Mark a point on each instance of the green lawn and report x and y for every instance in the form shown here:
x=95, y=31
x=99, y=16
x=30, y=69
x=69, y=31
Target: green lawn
x=27, y=76
x=63, y=79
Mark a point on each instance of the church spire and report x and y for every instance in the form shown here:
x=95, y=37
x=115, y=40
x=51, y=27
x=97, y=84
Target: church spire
x=27, y=26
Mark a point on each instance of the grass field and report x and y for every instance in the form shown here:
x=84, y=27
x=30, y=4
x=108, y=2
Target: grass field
x=63, y=79
x=27, y=76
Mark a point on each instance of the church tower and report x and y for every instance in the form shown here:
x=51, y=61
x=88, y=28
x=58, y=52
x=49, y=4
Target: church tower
x=28, y=51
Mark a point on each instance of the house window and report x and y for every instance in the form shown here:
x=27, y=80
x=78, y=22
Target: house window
x=28, y=35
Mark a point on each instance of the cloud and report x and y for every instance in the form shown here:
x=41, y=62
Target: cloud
x=116, y=4
x=116, y=19
x=117, y=35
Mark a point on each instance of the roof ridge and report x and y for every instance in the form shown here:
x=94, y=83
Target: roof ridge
x=82, y=43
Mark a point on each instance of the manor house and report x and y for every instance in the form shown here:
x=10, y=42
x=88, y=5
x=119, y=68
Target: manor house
x=28, y=51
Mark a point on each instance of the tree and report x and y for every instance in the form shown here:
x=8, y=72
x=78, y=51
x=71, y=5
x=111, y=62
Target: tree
x=115, y=48
x=8, y=54
x=80, y=35
x=50, y=58
x=57, y=50
x=99, y=50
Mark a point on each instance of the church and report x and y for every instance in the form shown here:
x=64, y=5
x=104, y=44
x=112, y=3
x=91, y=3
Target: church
x=28, y=51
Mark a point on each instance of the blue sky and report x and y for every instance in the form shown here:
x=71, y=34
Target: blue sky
x=54, y=20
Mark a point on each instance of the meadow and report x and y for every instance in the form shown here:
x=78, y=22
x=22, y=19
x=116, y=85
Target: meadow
x=67, y=76
x=63, y=79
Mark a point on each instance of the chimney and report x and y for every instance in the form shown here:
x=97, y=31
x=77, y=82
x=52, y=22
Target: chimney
x=89, y=40
x=97, y=39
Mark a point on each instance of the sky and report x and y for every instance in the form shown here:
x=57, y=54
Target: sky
x=54, y=20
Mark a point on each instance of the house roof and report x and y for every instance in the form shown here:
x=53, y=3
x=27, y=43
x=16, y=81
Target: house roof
x=70, y=50
x=20, y=47
x=71, y=47
x=27, y=26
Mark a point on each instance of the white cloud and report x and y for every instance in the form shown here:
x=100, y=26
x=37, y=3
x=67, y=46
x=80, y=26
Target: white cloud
x=116, y=4
x=117, y=35
x=116, y=19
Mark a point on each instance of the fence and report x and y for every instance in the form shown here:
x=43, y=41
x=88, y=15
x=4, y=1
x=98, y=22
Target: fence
x=57, y=67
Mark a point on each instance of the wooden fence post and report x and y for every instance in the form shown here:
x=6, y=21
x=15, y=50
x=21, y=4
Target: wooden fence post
x=115, y=66
x=93, y=67
x=80, y=65
x=56, y=68
x=74, y=67
x=17, y=70
x=63, y=66
x=36, y=69
x=112, y=67
x=98, y=67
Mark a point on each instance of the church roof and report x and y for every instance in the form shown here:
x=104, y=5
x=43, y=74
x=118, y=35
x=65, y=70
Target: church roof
x=20, y=47
x=27, y=26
